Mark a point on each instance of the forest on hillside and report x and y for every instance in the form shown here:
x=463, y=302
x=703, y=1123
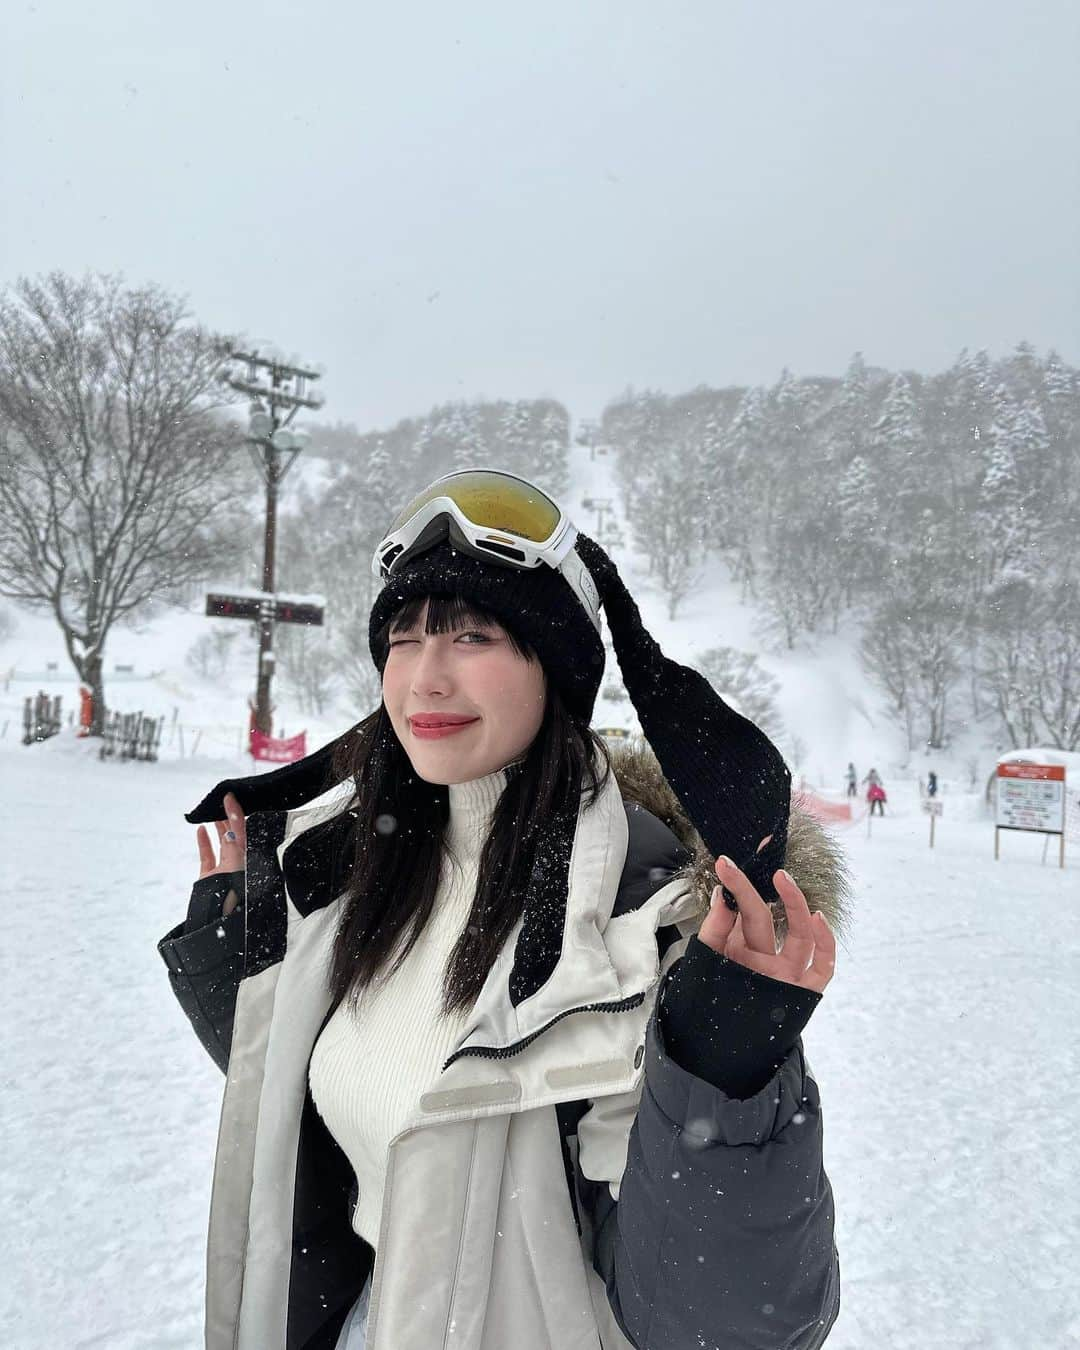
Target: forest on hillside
x=939, y=513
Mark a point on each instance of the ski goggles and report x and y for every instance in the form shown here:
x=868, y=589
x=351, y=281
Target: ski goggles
x=496, y=517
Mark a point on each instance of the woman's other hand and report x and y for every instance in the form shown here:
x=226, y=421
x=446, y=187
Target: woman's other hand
x=232, y=841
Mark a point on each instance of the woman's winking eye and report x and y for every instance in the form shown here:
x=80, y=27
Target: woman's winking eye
x=485, y=637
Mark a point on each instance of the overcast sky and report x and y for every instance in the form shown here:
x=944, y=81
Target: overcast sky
x=447, y=200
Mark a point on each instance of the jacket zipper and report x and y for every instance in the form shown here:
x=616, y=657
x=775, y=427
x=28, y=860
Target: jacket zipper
x=493, y=1052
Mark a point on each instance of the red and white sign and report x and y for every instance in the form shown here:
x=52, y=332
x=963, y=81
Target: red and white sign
x=277, y=750
x=1031, y=797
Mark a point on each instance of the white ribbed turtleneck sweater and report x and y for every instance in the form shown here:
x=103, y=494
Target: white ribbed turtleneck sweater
x=369, y=1069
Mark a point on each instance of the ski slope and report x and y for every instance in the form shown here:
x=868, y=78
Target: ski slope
x=945, y=1049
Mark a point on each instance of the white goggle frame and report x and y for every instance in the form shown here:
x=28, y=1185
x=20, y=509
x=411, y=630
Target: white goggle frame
x=490, y=545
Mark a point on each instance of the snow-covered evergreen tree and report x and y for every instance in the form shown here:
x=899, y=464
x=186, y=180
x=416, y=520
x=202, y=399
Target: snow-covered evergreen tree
x=745, y=452
x=849, y=423
x=1002, y=502
x=859, y=547
x=901, y=461
x=550, y=467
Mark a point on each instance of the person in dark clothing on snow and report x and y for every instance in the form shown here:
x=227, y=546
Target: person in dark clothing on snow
x=513, y=1052
x=852, y=781
x=931, y=784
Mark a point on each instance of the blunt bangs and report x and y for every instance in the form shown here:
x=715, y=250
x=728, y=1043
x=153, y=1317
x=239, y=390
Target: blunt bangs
x=449, y=612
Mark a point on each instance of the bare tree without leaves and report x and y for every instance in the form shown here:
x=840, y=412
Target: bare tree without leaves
x=658, y=521
x=114, y=458
x=911, y=649
x=1029, y=662
x=306, y=657
x=892, y=663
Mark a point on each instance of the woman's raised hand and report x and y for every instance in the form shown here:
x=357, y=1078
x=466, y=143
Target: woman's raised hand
x=808, y=955
x=232, y=841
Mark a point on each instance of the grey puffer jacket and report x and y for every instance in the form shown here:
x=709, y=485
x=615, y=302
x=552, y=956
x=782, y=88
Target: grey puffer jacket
x=565, y=1184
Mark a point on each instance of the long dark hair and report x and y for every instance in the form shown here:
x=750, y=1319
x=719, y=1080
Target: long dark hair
x=397, y=838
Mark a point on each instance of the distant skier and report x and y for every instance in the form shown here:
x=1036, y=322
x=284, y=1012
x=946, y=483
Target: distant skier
x=875, y=793
x=931, y=784
x=852, y=780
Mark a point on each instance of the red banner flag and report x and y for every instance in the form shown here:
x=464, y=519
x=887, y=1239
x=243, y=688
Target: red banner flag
x=276, y=750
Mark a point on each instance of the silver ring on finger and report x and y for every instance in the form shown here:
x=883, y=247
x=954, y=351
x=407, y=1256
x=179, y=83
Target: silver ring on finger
x=230, y=835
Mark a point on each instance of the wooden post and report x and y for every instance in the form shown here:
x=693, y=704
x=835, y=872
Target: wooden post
x=933, y=817
x=997, y=839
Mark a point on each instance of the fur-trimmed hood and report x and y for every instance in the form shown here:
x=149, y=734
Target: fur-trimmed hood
x=814, y=858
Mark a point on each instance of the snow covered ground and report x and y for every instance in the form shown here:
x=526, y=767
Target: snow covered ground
x=945, y=1047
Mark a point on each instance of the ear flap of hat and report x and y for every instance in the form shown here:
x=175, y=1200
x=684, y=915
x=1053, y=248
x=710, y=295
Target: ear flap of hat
x=731, y=779
x=283, y=789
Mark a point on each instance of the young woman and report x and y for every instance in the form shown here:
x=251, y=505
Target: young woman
x=505, y=1067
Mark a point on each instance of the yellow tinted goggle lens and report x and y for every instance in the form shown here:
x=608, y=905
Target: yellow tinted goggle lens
x=493, y=502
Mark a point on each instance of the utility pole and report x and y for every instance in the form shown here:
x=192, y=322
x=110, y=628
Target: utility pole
x=277, y=391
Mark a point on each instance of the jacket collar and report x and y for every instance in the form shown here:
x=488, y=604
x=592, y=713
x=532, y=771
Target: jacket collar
x=581, y=1033
x=556, y=958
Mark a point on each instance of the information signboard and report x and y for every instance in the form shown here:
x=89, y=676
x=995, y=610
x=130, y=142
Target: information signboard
x=1031, y=797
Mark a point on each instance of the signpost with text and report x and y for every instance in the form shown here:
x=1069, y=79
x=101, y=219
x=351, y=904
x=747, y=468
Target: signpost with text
x=251, y=604
x=933, y=809
x=1031, y=797
x=266, y=610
